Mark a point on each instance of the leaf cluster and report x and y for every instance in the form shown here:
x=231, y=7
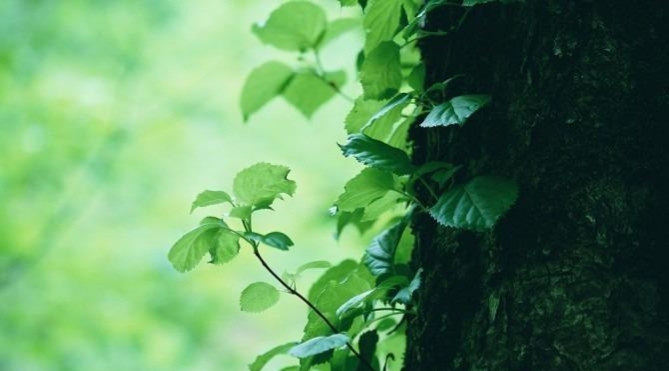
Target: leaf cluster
x=354, y=306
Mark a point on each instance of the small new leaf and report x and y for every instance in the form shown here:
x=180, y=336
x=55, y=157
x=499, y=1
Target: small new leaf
x=455, y=111
x=294, y=26
x=258, y=297
x=262, y=183
x=377, y=154
x=208, y=198
x=477, y=204
x=318, y=345
x=262, y=85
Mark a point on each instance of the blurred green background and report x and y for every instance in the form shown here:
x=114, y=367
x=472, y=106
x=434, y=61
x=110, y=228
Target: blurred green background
x=114, y=114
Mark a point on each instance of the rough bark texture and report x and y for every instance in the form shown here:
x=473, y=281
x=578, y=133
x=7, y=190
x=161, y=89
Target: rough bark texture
x=575, y=276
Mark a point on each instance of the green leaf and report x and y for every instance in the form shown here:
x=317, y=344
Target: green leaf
x=404, y=295
x=411, y=8
x=294, y=26
x=318, y=264
x=367, y=345
x=381, y=20
x=187, y=252
x=262, y=183
x=342, y=360
x=318, y=345
x=262, y=85
x=277, y=240
x=444, y=175
x=264, y=358
x=208, y=198
x=455, y=111
x=380, y=255
x=431, y=167
x=400, y=133
x=225, y=247
x=381, y=71
x=416, y=78
x=241, y=212
x=377, y=154
x=337, y=273
x=381, y=206
x=364, y=110
x=394, y=105
x=366, y=187
x=339, y=27
x=386, y=324
x=274, y=239
x=307, y=91
x=258, y=297
x=337, y=285
x=477, y=204
x=442, y=85
x=441, y=172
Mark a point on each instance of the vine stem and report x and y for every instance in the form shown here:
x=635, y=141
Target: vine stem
x=309, y=304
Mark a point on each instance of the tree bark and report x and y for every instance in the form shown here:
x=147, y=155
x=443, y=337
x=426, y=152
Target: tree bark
x=576, y=275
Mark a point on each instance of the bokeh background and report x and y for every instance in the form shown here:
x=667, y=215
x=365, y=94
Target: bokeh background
x=114, y=114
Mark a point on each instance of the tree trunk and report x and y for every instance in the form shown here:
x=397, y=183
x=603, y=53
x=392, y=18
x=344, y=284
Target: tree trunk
x=575, y=276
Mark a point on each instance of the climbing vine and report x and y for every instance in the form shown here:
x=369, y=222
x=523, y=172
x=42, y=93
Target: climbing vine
x=357, y=310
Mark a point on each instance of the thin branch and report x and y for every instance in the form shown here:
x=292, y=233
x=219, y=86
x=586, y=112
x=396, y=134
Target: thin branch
x=309, y=304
